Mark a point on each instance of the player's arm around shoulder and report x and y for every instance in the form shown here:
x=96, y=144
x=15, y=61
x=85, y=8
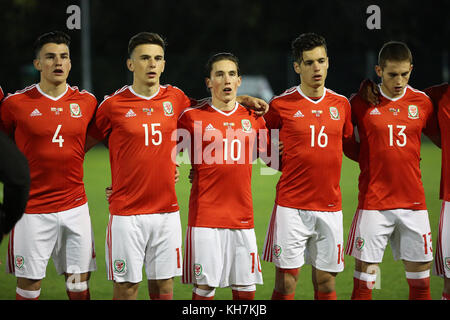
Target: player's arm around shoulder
x=350, y=141
x=431, y=129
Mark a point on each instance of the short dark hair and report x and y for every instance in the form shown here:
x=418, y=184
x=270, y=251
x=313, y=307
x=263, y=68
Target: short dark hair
x=394, y=51
x=306, y=42
x=219, y=57
x=145, y=38
x=57, y=37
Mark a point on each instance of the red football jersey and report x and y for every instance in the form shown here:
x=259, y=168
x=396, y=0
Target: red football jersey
x=51, y=133
x=1, y=94
x=440, y=95
x=389, y=157
x=139, y=131
x=222, y=146
x=312, y=132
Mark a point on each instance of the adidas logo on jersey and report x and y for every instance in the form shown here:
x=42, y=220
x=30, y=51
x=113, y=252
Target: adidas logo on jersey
x=35, y=113
x=298, y=114
x=375, y=112
x=209, y=127
x=130, y=114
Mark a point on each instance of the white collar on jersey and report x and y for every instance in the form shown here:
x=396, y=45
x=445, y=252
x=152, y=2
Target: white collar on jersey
x=392, y=99
x=308, y=98
x=226, y=113
x=141, y=96
x=38, y=87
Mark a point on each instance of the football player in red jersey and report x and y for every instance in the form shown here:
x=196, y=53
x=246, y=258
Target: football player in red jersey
x=221, y=248
x=391, y=204
x=440, y=96
x=138, y=121
x=49, y=123
x=306, y=223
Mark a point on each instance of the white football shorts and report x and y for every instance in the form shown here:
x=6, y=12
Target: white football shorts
x=149, y=240
x=408, y=232
x=65, y=236
x=221, y=257
x=295, y=237
x=441, y=266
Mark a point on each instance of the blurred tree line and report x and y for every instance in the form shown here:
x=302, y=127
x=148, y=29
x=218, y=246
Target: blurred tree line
x=258, y=32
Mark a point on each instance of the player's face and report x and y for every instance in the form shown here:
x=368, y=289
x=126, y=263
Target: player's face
x=147, y=63
x=394, y=77
x=313, y=68
x=224, y=80
x=54, y=63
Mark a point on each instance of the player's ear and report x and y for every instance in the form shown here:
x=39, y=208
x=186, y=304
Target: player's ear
x=37, y=64
x=208, y=83
x=239, y=81
x=378, y=70
x=297, y=67
x=130, y=65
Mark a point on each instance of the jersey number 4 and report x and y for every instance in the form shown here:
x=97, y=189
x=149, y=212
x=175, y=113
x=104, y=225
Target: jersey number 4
x=58, y=139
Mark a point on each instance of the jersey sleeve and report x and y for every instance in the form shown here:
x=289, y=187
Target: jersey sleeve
x=349, y=143
x=15, y=176
x=272, y=117
x=7, y=118
x=1, y=94
x=431, y=129
x=101, y=127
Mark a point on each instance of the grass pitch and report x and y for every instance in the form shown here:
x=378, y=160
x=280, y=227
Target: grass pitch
x=393, y=284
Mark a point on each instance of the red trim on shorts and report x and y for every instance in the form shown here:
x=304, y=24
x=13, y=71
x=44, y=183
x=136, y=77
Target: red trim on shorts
x=268, y=249
x=11, y=268
x=439, y=263
x=187, y=261
x=351, y=236
x=109, y=244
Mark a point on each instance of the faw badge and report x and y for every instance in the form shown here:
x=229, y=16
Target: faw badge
x=447, y=262
x=168, y=108
x=246, y=125
x=120, y=266
x=198, y=269
x=334, y=113
x=359, y=243
x=19, y=262
x=75, y=110
x=276, y=250
x=413, y=112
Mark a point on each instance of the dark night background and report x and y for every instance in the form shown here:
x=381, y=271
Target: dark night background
x=258, y=32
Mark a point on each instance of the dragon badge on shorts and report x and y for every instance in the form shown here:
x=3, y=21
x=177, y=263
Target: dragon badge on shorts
x=276, y=250
x=359, y=243
x=120, y=266
x=19, y=262
x=447, y=262
x=198, y=270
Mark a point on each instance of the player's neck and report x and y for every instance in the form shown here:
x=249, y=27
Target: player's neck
x=224, y=105
x=145, y=90
x=312, y=92
x=51, y=89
